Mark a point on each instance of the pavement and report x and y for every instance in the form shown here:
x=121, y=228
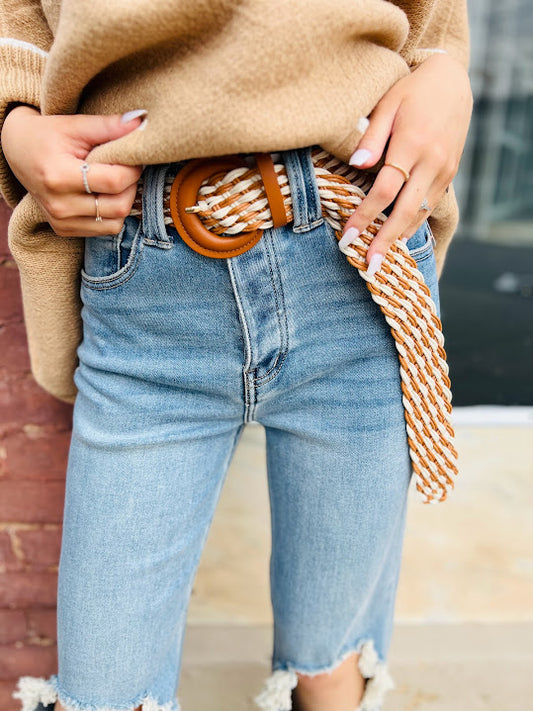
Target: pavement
x=463, y=638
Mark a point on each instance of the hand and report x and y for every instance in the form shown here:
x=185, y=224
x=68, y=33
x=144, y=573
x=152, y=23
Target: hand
x=424, y=118
x=46, y=153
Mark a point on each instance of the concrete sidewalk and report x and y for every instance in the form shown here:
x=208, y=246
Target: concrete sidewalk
x=452, y=667
x=464, y=632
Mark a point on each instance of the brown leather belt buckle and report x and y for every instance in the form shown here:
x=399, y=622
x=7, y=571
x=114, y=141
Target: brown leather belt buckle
x=184, y=195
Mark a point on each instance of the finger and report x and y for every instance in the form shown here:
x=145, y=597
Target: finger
x=406, y=210
x=83, y=205
x=91, y=130
x=422, y=215
x=110, y=179
x=386, y=187
x=101, y=178
x=434, y=195
x=86, y=227
x=371, y=146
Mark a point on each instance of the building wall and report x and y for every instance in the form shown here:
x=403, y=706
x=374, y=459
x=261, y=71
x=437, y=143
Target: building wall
x=34, y=439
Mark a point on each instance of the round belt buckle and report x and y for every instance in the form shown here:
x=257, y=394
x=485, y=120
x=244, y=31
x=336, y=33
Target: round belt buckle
x=184, y=194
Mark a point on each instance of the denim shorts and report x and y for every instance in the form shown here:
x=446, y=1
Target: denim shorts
x=179, y=352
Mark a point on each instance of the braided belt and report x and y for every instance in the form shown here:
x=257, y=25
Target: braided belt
x=220, y=206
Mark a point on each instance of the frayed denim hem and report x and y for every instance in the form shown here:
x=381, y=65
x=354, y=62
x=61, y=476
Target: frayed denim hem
x=38, y=694
x=276, y=694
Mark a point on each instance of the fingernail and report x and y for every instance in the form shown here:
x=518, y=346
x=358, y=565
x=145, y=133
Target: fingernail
x=404, y=239
x=363, y=124
x=130, y=115
x=375, y=263
x=359, y=157
x=350, y=234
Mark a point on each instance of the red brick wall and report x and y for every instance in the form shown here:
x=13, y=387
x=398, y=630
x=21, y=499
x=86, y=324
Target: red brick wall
x=34, y=439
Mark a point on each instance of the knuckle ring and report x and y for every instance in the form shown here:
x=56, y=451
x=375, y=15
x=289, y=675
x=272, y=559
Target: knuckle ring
x=406, y=174
x=98, y=216
x=84, y=170
x=425, y=205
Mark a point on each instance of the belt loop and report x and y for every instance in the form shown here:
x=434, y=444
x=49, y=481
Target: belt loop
x=154, y=228
x=306, y=206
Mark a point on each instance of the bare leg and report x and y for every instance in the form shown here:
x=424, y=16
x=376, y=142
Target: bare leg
x=342, y=690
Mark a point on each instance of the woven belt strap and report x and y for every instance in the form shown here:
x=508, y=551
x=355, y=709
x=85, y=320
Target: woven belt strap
x=237, y=202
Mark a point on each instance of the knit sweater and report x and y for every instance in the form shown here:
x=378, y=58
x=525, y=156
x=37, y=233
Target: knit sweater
x=216, y=77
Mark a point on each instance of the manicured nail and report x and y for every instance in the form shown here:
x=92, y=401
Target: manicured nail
x=350, y=234
x=130, y=115
x=363, y=124
x=359, y=157
x=404, y=239
x=375, y=263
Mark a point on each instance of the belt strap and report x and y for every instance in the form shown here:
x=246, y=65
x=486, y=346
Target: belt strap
x=227, y=199
x=272, y=189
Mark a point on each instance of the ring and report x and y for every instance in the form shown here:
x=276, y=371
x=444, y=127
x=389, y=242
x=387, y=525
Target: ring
x=84, y=170
x=425, y=205
x=98, y=216
x=404, y=172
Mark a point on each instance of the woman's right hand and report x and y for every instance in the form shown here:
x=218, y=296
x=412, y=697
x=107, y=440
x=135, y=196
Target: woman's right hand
x=46, y=154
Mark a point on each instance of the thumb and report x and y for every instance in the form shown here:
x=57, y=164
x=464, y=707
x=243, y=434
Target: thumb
x=371, y=146
x=93, y=129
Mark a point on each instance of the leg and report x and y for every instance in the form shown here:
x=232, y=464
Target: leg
x=339, y=472
x=156, y=420
x=342, y=689
x=136, y=518
x=337, y=528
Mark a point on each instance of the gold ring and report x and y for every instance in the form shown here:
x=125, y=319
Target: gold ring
x=404, y=172
x=98, y=216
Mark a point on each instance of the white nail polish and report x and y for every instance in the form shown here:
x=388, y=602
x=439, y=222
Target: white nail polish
x=350, y=234
x=363, y=124
x=404, y=239
x=130, y=115
x=375, y=263
x=359, y=157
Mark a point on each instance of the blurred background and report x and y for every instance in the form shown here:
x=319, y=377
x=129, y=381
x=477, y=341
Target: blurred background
x=463, y=639
x=487, y=284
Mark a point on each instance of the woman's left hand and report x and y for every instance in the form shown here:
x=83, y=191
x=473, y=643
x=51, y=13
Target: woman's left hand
x=426, y=116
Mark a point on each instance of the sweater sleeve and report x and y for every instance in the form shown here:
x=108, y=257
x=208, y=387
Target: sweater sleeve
x=25, y=39
x=444, y=30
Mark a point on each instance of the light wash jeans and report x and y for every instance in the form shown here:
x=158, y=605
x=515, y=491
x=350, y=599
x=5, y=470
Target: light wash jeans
x=179, y=352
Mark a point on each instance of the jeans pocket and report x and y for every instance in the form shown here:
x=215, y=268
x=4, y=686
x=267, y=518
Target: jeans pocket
x=420, y=245
x=111, y=260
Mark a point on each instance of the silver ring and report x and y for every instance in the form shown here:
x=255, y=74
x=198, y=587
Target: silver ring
x=425, y=205
x=98, y=216
x=84, y=170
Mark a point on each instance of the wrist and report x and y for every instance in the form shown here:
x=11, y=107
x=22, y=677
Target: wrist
x=18, y=107
x=15, y=111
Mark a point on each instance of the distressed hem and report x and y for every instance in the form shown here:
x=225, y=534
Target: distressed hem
x=276, y=694
x=38, y=694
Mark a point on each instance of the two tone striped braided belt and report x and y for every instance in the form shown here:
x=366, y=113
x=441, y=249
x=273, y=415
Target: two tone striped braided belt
x=220, y=206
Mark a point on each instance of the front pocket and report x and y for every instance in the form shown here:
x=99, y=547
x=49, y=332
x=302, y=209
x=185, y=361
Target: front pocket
x=111, y=260
x=420, y=245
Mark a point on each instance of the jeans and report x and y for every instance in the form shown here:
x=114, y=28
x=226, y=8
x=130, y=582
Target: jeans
x=179, y=353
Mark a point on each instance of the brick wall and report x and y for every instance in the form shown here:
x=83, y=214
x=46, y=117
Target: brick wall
x=34, y=439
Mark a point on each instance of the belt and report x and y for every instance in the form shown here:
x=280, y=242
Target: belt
x=220, y=207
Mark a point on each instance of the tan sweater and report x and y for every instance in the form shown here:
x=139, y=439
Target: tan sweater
x=216, y=76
